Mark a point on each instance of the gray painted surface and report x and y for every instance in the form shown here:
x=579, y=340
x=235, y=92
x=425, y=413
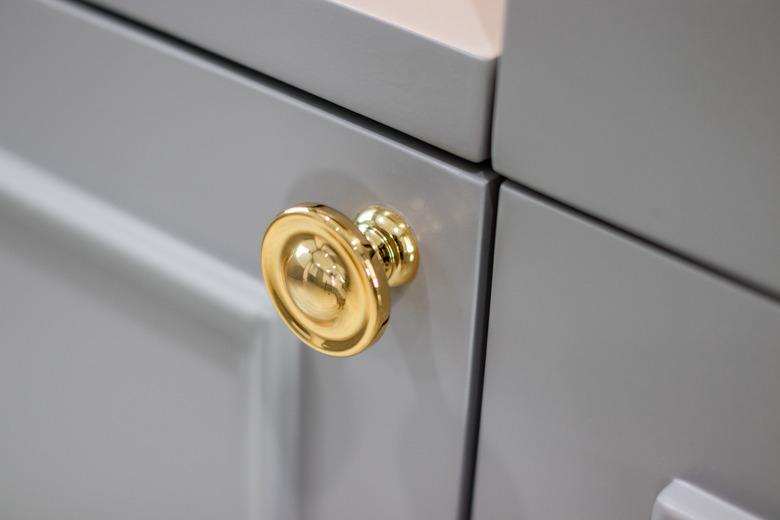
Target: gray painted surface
x=424, y=88
x=660, y=116
x=612, y=369
x=211, y=155
x=139, y=377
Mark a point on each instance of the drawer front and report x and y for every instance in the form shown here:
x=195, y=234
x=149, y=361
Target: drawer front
x=438, y=88
x=209, y=155
x=612, y=369
x=660, y=116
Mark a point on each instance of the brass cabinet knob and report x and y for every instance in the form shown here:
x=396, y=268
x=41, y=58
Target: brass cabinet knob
x=329, y=277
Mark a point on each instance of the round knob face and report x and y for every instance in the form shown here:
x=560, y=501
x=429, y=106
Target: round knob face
x=325, y=280
x=316, y=279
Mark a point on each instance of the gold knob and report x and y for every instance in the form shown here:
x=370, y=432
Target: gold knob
x=329, y=277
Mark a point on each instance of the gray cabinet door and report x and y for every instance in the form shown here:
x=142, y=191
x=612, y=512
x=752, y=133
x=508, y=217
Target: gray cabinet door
x=612, y=369
x=662, y=116
x=139, y=377
x=208, y=154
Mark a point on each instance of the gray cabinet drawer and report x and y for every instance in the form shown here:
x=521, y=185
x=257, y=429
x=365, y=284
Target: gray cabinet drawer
x=660, y=116
x=612, y=369
x=429, y=75
x=209, y=155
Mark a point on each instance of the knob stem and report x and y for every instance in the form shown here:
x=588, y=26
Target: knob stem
x=392, y=240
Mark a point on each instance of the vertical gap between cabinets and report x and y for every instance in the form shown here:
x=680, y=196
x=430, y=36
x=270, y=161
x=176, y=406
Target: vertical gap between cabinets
x=480, y=335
